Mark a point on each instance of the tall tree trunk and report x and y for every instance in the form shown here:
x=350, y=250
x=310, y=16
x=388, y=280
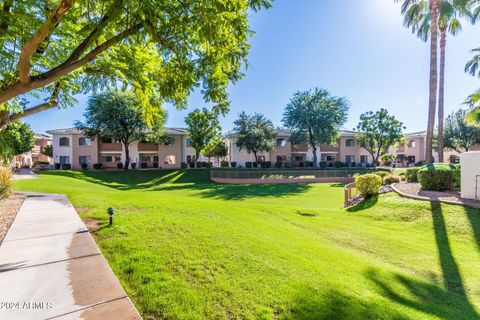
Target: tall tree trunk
x=434, y=7
x=315, y=159
x=197, y=155
x=441, y=93
x=255, y=155
x=127, y=156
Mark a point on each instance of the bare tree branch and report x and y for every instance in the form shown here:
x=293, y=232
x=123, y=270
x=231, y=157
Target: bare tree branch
x=32, y=45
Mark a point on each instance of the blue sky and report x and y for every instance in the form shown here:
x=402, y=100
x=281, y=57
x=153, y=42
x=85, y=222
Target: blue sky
x=354, y=48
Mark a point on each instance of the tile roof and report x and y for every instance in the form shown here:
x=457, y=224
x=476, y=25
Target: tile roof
x=76, y=131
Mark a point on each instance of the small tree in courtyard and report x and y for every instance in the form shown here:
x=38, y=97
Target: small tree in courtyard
x=255, y=133
x=17, y=138
x=378, y=131
x=203, y=127
x=315, y=117
x=216, y=149
x=116, y=114
x=459, y=135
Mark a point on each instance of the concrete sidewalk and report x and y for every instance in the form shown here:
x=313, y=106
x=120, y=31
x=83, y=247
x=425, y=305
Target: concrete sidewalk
x=51, y=268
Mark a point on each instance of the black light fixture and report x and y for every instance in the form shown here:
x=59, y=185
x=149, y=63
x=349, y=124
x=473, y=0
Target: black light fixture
x=110, y=212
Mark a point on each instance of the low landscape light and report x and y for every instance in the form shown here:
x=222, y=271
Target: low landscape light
x=110, y=212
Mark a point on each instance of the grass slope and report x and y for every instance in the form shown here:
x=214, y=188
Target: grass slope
x=185, y=248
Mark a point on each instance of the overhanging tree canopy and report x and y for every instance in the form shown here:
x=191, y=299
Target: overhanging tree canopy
x=161, y=48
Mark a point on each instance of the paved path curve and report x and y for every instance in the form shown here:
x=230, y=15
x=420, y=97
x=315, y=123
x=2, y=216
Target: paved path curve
x=51, y=268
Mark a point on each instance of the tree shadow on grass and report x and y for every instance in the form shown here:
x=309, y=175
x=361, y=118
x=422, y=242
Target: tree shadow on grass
x=131, y=180
x=369, y=203
x=450, y=302
x=237, y=192
x=310, y=304
x=473, y=215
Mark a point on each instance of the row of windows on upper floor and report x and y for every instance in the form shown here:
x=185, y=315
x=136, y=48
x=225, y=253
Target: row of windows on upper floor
x=83, y=141
x=351, y=143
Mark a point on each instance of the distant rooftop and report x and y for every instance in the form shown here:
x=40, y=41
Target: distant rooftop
x=76, y=131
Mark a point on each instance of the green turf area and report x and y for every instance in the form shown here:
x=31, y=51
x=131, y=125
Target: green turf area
x=185, y=248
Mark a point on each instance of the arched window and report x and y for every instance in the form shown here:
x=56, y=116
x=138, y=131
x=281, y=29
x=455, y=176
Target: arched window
x=64, y=141
x=82, y=141
x=350, y=143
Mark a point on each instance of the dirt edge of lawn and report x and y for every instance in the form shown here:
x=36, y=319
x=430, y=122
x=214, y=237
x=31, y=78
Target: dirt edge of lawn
x=9, y=208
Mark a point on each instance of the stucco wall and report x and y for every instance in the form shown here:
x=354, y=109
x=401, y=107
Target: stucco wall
x=470, y=162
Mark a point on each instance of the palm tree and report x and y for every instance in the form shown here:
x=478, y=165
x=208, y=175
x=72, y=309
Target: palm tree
x=411, y=9
x=473, y=67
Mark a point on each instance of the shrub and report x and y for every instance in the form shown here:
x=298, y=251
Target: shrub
x=120, y=165
x=255, y=164
x=66, y=166
x=5, y=182
x=301, y=164
x=278, y=165
x=209, y=164
x=155, y=165
x=323, y=164
x=143, y=165
x=457, y=177
x=57, y=166
x=338, y=164
x=198, y=164
x=412, y=174
x=233, y=164
x=97, y=166
x=287, y=165
x=381, y=174
x=224, y=164
x=133, y=165
x=391, y=178
x=84, y=166
x=353, y=164
x=248, y=164
x=268, y=164
x=368, y=185
x=205, y=164
x=436, y=177
x=183, y=165
x=192, y=164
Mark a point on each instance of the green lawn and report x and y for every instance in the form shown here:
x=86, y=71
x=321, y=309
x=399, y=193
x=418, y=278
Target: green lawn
x=185, y=248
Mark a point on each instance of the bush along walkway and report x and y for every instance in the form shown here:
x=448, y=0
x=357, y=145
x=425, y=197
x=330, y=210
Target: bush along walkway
x=50, y=267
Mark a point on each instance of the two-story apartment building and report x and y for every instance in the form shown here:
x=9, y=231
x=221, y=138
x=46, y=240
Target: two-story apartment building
x=36, y=154
x=347, y=150
x=72, y=147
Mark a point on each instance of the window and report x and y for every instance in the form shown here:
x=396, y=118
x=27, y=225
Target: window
x=328, y=157
x=281, y=158
x=117, y=140
x=298, y=158
x=145, y=158
x=190, y=159
x=82, y=141
x=64, y=141
x=261, y=158
x=350, y=143
x=106, y=140
x=189, y=142
x=106, y=158
x=363, y=159
x=170, y=141
x=281, y=142
x=411, y=144
x=64, y=159
x=85, y=159
x=155, y=158
x=349, y=159
x=170, y=159
x=118, y=158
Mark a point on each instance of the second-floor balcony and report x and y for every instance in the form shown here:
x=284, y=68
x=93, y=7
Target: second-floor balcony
x=110, y=147
x=144, y=146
